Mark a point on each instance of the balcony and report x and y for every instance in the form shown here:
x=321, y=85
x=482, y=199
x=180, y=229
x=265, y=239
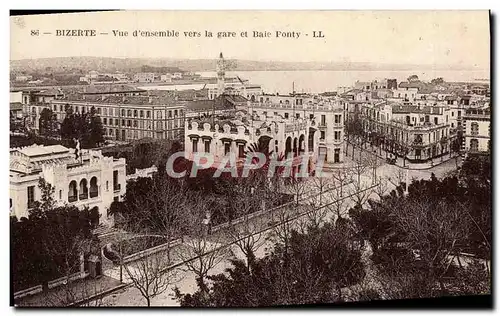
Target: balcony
x=83, y=196
x=72, y=198
x=117, y=187
x=93, y=194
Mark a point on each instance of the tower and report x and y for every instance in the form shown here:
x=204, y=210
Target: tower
x=220, y=74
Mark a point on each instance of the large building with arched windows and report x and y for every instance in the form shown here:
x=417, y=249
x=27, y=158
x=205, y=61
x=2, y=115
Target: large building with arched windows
x=88, y=179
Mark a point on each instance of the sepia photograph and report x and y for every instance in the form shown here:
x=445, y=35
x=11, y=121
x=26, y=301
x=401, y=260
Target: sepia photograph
x=258, y=159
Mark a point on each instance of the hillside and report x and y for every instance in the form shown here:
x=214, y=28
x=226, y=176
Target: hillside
x=106, y=64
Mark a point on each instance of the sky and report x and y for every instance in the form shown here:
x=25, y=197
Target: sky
x=396, y=37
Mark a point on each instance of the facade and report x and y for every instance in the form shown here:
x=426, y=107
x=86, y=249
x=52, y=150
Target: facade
x=88, y=180
x=477, y=129
x=313, y=128
x=235, y=135
x=126, y=118
x=420, y=132
x=144, y=77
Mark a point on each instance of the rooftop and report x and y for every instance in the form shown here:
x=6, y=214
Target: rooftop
x=40, y=150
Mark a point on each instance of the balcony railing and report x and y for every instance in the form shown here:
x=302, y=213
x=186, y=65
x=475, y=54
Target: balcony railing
x=117, y=187
x=93, y=194
x=83, y=196
x=72, y=198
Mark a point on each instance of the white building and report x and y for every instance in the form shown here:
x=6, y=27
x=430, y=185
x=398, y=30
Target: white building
x=144, y=77
x=89, y=180
x=166, y=78
x=477, y=129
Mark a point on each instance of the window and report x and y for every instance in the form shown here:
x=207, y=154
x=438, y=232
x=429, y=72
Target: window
x=129, y=113
x=129, y=123
x=116, y=122
x=141, y=113
x=148, y=114
x=99, y=111
x=60, y=108
x=123, y=112
x=241, y=151
x=169, y=114
x=337, y=119
x=436, y=121
x=337, y=135
x=207, y=146
x=195, y=145
x=107, y=185
x=311, y=116
x=459, y=114
x=31, y=196
x=474, y=128
x=227, y=148
x=123, y=122
x=175, y=112
x=135, y=123
x=72, y=192
x=336, y=155
x=286, y=115
x=105, y=121
x=452, y=114
x=323, y=119
x=135, y=113
x=60, y=194
x=427, y=119
x=297, y=115
x=116, y=185
x=94, y=191
x=322, y=137
x=474, y=145
x=158, y=114
x=105, y=111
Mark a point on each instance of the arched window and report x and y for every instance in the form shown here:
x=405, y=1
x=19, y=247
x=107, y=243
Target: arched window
x=123, y=112
x=135, y=113
x=129, y=113
x=72, y=192
x=84, y=191
x=94, y=191
x=158, y=114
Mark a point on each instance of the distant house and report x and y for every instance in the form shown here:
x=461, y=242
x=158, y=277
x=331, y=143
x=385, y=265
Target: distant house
x=24, y=78
x=144, y=77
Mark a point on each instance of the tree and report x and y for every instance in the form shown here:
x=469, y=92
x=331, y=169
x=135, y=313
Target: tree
x=96, y=135
x=201, y=252
x=413, y=78
x=359, y=189
x=50, y=242
x=311, y=269
x=151, y=275
x=437, y=81
x=48, y=123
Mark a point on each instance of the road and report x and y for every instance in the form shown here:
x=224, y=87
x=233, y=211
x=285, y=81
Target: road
x=186, y=279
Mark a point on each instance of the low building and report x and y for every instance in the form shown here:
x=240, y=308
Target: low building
x=87, y=180
x=144, y=77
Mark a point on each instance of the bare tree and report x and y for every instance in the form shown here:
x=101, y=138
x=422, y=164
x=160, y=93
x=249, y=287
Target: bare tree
x=201, y=252
x=163, y=210
x=360, y=190
x=297, y=187
x=151, y=274
x=245, y=232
